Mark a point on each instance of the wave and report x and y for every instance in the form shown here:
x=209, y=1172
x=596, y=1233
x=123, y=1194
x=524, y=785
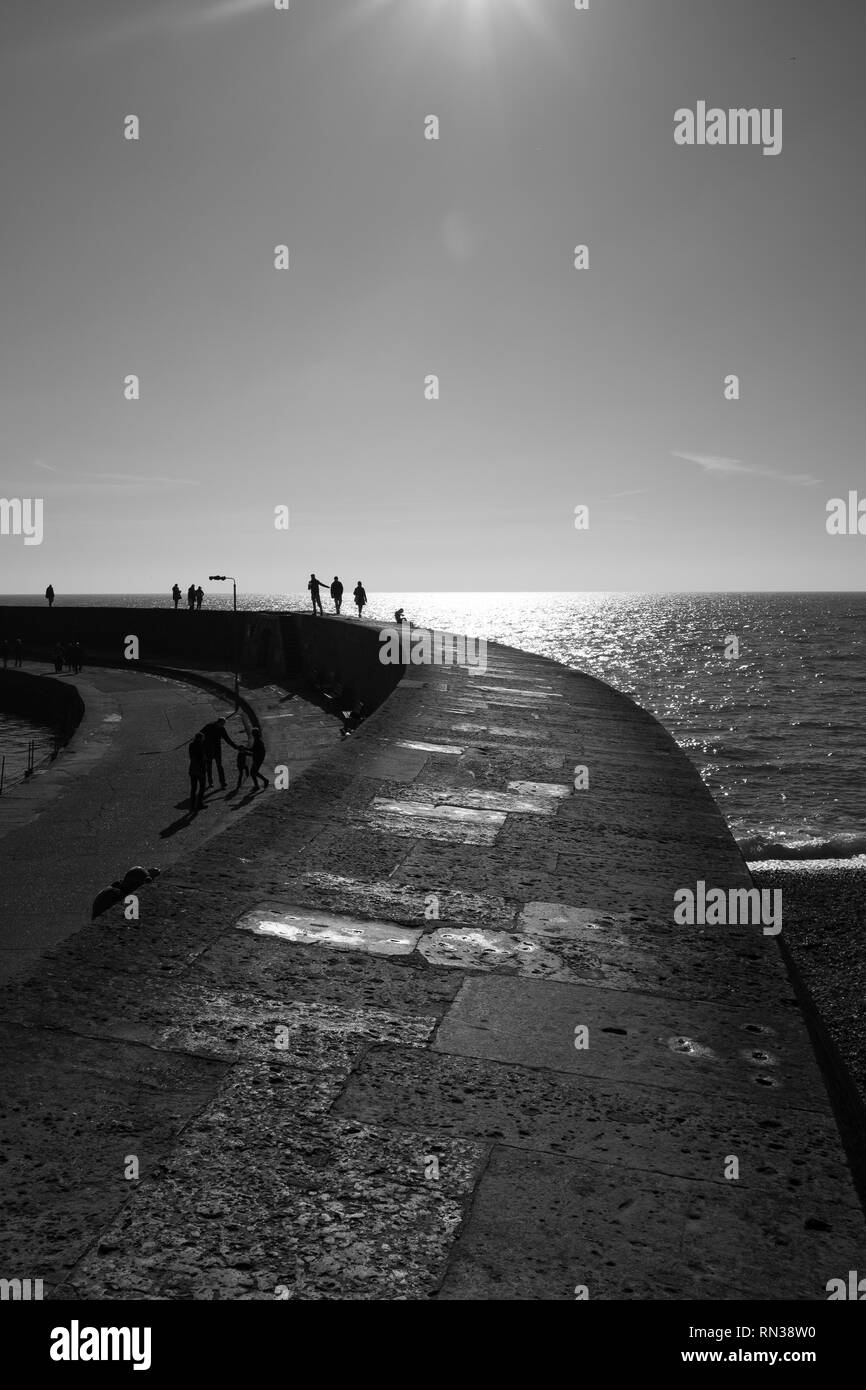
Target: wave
x=842, y=846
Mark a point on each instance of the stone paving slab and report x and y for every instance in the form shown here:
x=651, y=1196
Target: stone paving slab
x=543, y=1225
x=682, y=1045
x=626, y=1125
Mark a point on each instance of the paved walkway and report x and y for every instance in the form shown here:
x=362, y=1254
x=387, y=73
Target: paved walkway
x=117, y=796
x=346, y=1046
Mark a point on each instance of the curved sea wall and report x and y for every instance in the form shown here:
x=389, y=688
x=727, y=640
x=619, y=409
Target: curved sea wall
x=282, y=646
x=42, y=699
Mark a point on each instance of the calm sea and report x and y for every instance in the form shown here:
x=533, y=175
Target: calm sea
x=777, y=733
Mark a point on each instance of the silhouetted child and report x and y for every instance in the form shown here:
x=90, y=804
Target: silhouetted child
x=243, y=757
x=258, y=751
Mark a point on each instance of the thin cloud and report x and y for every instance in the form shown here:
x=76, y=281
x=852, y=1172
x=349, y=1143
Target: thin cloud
x=729, y=468
x=168, y=19
x=632, y=492
x=118, y=482
x=139, y=479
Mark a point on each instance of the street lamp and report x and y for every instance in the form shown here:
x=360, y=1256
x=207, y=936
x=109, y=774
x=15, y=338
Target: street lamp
x=222, y=578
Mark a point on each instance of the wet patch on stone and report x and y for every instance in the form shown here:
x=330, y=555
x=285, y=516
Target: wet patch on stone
x=392, y=900
x=477, y=949
x=451, y=749
x=545, y=693
x=230, y=1026
x=689, y=1046
x=329, y=929
x=425, y=820
x=557, y=791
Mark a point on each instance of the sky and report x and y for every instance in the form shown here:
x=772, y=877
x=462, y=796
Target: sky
x=410, y=257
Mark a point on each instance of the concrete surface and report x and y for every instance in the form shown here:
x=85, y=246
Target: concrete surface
x=339, y=1123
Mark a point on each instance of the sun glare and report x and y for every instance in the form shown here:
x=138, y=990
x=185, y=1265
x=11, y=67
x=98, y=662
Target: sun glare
x=481, y=16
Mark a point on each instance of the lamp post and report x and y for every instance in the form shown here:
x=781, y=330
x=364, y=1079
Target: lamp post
x=222, y=578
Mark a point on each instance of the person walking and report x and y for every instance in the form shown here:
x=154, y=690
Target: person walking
x=360, y=597
x=199, y=595
x=49, y=594
x=314, y=586
x=176, y=595
x=190, y=597
x=214, y=737
x=197, y=771
x=19, y=651
x=258, y=758
x=337, y=593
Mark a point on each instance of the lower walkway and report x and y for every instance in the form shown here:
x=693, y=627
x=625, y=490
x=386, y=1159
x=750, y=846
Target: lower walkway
x=117, y=796
x=422, y=1026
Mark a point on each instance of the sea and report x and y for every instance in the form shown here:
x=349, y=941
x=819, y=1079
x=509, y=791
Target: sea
x=763, y=691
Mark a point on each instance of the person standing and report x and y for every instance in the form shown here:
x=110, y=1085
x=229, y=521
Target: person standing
x=197, y=771
x=49, y=594
x=314, y=586
x=190, y=597
x=360, y=597
x=19, y=651
x=214, y=737
x=199, y=595
x=258, y=758
x=175, y=593
x=4, y=652
x=337, y=593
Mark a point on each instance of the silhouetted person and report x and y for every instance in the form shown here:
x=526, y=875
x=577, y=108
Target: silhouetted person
x=49, y=594
x=190, y=597
x=197, y=773
x=337, y=593
x=314, y=586
x=360, y=597
x=77, y=656
x=214, y=737
x=199, y=595
x=258, y=758
x=19, y=651
x=59, y=657
x=4, y=652
x=176, y=595
x=241, y=761
x=398, y=616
